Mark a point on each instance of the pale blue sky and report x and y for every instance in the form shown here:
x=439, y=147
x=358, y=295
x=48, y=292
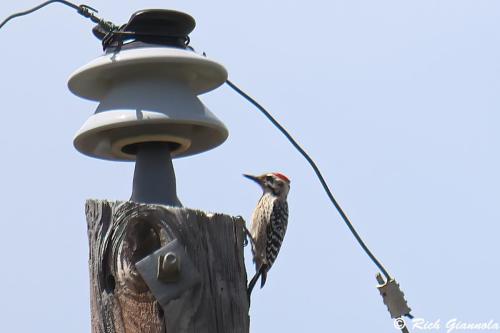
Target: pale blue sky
x=396, y=100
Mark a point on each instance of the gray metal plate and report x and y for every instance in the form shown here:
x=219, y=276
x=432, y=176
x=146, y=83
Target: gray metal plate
x=164, y=292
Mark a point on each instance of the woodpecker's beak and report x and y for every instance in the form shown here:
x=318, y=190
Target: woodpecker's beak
x=254, y=178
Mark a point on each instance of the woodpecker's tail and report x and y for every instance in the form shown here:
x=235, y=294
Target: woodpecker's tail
x=262, y=273
x=263, y=278
x=253, y=282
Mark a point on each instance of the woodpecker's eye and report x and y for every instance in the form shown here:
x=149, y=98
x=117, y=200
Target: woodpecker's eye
x=270, y=179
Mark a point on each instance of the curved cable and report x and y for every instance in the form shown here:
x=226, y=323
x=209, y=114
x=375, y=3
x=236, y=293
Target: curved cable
x=84, y=10
x=318, y=174
x=34, y=9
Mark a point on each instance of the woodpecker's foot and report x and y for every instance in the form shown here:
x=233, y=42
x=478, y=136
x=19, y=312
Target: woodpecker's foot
x=248, y=236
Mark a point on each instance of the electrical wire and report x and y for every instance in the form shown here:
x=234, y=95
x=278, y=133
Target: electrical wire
x=34, y=9
x=318, y=174
x=84, y=10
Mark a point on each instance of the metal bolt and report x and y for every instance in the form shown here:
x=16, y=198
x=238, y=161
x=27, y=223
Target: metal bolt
x=169, y=268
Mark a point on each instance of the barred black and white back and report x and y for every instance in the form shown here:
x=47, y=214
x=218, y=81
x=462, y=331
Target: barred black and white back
x=276, y=231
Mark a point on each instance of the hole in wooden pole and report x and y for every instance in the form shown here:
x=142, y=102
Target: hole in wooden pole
x=141, y=240
x=145, y=240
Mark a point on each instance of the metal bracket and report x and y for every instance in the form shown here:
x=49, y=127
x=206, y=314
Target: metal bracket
x=393, y=297
x=168, y=272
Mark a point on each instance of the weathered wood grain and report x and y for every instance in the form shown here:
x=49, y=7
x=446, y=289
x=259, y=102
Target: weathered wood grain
x=122, y=233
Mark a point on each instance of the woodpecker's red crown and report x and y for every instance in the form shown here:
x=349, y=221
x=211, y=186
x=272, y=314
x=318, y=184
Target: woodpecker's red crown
x=281, y=176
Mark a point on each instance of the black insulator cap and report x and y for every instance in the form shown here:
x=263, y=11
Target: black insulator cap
x=151, y=26
x=161, y=22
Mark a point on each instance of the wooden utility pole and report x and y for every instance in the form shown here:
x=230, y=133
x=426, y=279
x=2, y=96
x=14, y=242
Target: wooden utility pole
x=122, y=233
